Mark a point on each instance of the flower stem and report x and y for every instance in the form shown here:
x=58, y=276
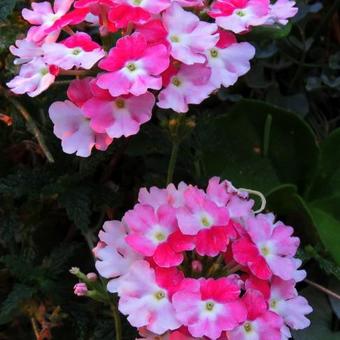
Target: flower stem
x=176, y=141
x=172, y=163
x=117, y=320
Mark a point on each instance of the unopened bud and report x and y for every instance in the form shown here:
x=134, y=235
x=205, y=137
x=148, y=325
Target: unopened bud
x=80, y=289
x=92, y=277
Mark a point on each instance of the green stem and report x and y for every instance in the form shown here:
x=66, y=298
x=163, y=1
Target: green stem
x=172, y=162
x=118, y=324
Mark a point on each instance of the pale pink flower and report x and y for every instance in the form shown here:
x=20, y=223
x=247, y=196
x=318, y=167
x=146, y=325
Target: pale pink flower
x=190, y=3
x=281, y=11
x=189, y=86
x=229, y=59
x=26, y=51
x=208, y=306
x=114, y=256
x=78, y=50
x=260, y=324
x=134, y=66
x=240, y=15
x=223, y=193
x=145, y=296
x=118, y=116
x=268, y=250
x=44, y=16
x=34, y=78
x=156, y=197
x=155, y=233
x=73, y=128
x=285, y=301
x=188, y=36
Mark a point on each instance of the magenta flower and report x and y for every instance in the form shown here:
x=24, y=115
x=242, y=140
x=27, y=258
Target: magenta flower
x=155, y=233
x=260, y=323
x=209, y=307
x=240, y=15
x=134, y=66
x=79, y=50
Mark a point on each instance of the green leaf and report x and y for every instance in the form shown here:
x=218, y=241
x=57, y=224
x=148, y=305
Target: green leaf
x=321, y=318
x=19, y=294
x=6, y=8
x=293, y=210
x=325, y=217
x=260, y=146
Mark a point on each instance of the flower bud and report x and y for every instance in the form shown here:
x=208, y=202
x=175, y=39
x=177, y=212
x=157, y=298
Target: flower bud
x=80, y=289
x=92, y=277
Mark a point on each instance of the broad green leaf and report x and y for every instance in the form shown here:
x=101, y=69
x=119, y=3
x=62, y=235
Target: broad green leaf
x=328, y=225
x=261, y=146
x=293, y=210
x=328, y=179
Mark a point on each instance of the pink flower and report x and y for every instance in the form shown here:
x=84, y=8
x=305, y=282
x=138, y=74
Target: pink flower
x=188, y=36
x=260, y=324
x=228, y=60
x=136, y=12
x=189, y=86
x=80, y=289
x=202, y=217
x=118, y=116
x=190, y=3
x=34, y=78
x=79, y=50
x=280, y=11
x=240, y=15
x=155, y=233
x=268, y=250
x=145, y=297
x=134, y=66
x=285, y=301
x=209, y=307
x=114, y=257
x=43, y=16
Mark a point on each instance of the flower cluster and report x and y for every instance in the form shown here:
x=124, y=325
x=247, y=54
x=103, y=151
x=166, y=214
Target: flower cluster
x=178, y=50
x=188, y=263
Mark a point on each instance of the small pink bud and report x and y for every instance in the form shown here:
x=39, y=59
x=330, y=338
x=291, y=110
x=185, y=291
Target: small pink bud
x=80, y=289
x=92, y=276
x=196, y=266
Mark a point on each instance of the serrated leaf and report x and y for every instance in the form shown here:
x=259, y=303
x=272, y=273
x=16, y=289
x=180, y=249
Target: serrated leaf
x=77, y=203
x=19, y=294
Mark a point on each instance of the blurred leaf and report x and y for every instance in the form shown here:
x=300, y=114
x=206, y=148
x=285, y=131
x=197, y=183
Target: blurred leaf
x=6, y=8
x=293, y=210
x=272, y=32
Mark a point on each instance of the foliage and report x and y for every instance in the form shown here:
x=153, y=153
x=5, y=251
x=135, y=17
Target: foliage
x=277, y=131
